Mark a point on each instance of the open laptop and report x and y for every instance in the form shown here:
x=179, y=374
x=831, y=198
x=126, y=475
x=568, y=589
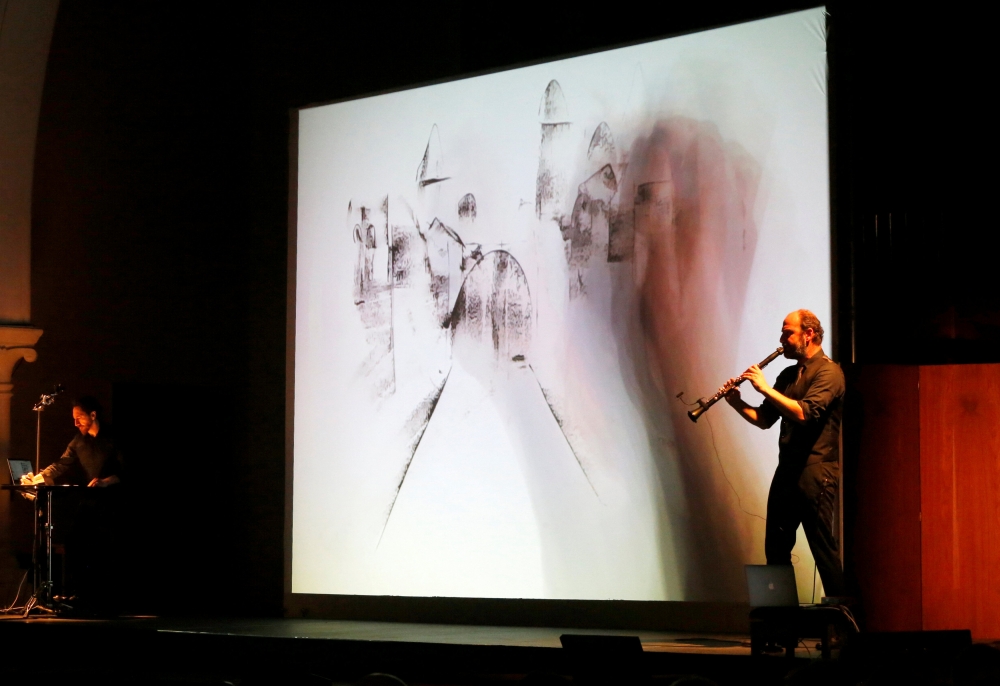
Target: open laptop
x=772, y=586
x=18, y=468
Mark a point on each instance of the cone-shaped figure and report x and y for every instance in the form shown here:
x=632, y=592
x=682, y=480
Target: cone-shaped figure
x=430, y=169
x=601, y=150
x=555, y=157
x=553, y=108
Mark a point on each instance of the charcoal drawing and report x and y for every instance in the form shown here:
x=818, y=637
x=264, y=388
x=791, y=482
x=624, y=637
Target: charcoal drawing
x=532, y=265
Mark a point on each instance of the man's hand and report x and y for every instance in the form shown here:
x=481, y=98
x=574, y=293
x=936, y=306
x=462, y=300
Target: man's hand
x=736, y=401
x=733, y=396
x=788, y=408
x=30, y=479
x=102, y=483
x=756, y=378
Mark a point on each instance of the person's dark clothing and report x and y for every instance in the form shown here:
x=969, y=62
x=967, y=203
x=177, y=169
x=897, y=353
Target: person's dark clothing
x=804, y=488
x=818, y=386
x=90, y=517
x=86, y=458
x=807, y=497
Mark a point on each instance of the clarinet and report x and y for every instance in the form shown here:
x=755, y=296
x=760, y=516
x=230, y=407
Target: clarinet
x=703, y=404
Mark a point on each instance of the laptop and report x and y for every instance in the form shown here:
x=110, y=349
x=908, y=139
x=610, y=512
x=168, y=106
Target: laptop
x=772, y=586
x=18, y=468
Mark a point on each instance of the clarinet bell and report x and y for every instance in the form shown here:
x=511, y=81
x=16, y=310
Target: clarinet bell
x=698, y=411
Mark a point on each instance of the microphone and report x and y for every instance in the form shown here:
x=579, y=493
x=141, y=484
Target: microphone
x=49, y=398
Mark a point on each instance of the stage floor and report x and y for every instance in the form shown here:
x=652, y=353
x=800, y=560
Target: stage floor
x=533, y=637
x=315, y=651
x=296, y=650
x=441, y=634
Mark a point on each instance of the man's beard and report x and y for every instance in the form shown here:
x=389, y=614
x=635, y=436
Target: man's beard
x=794, y=352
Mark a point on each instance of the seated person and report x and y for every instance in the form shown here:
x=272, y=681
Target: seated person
x=90, y=459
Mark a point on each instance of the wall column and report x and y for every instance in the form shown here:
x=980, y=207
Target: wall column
x=25, y=34
x=16, y=343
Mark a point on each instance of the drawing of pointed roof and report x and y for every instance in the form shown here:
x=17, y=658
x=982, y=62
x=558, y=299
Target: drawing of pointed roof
x=553, y=108
x=602, y=146
x=438, y=231
x=430, y=169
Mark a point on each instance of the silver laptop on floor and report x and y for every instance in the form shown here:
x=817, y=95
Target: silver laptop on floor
x=772, y=586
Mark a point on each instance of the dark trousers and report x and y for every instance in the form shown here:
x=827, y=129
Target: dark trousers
x=807, y=497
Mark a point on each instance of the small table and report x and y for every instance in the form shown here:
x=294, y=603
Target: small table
x=784, y=626
x=41, y=587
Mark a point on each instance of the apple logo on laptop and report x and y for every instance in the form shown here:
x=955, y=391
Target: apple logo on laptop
x=770, y=586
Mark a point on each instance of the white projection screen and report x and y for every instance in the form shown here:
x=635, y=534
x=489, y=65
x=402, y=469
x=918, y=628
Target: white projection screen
x=501, y=285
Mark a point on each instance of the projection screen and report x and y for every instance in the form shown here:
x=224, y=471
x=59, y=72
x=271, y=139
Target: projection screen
x=501, y=286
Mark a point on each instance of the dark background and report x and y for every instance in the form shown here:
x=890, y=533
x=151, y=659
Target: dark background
x=160, y=206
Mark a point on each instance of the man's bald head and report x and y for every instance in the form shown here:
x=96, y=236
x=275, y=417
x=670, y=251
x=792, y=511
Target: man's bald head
x=807, y=320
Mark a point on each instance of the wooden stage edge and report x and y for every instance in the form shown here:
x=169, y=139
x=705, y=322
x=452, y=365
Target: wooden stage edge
x=701, y=617
x=345, y=650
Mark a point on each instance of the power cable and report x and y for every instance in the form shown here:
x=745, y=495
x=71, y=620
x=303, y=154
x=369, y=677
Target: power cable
x=13, y=605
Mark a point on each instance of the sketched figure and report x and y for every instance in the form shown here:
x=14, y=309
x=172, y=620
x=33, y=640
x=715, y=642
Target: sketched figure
x=369, y=240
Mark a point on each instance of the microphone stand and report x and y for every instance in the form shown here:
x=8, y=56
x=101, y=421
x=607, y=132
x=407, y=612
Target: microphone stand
x=43, y=402
x=41, y=591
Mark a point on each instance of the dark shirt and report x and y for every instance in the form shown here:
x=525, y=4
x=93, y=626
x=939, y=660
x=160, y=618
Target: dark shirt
x=819, y=390
x=87, y=457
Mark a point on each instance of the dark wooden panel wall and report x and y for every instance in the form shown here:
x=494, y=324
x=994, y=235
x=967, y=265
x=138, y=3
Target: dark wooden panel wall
x=960, y=497
x=926, y=534
x=886, y=545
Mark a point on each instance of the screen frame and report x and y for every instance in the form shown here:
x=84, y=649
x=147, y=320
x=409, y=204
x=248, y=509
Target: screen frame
x=707, y=616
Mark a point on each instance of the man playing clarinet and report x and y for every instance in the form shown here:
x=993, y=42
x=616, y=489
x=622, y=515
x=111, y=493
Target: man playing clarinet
x=808, y=398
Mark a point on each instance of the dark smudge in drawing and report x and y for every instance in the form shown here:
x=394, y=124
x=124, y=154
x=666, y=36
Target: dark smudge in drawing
x=401, y=258
x=444, y=262
x=467, y=207
x=372, y=290
x=686, y=208
x=587, y=230
x=621, y=233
